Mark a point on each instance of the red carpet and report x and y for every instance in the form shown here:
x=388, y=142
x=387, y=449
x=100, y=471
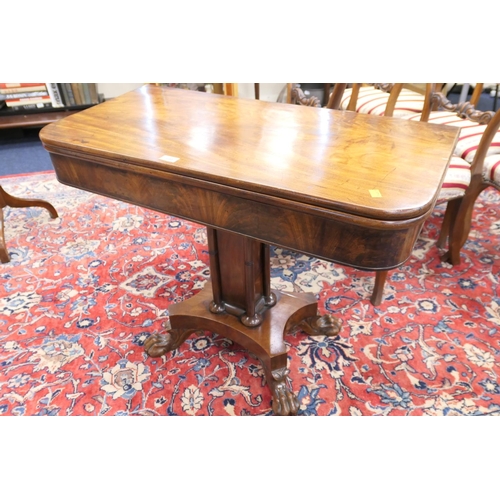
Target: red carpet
x=83, y=292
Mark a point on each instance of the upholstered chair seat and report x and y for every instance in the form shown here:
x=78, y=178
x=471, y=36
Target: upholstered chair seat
x=456, y=181
x=491, y=170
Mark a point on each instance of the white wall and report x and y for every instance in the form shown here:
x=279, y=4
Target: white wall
x=115, y=89
x=268, y=91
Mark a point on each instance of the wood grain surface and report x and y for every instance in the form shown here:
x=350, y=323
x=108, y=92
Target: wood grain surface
x=350, y=188
x=375, y=167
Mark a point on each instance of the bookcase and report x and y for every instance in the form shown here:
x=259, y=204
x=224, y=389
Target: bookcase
x=48, y=113
x=37, y=104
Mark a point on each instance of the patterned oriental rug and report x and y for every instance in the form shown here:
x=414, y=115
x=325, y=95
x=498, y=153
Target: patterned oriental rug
x=84, y=291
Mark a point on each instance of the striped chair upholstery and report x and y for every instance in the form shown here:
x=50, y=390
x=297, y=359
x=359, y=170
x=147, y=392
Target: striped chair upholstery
x=491, y=170
x=470, y=133
x=373, y=101
x=456, y=181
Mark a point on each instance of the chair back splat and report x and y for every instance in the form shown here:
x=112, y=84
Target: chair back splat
x=336, y=96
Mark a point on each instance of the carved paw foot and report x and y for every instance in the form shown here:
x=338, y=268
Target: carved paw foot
x=157, y=345
x=322, y=325
x=285, y=402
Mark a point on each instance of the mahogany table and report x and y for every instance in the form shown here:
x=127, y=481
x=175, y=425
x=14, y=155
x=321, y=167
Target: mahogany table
x=350, y=188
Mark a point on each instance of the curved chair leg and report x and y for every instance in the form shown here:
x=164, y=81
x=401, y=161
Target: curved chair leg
x=378, y=288
x=450, y=216
x=4, y=255
x=461, y=226
x=12, y=201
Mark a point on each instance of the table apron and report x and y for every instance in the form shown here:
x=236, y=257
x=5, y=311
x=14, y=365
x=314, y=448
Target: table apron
x=346, y=239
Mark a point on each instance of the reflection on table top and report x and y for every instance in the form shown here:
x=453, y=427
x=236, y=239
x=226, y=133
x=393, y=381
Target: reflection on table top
x=384, y=168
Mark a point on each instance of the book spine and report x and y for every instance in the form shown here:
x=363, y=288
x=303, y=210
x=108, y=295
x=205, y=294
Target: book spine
x=21, y=90
x=17, y=85
x=24, y=94
x=71, y=97
x=27, y=100
x=86, y=93
x=55, y=96
x=28, y=107
x=76, y=93
x=64, y=93
x=94, y=97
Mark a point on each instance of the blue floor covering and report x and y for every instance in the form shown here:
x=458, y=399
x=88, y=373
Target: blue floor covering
x=21, y=152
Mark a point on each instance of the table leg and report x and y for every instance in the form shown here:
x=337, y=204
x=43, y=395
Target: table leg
x=238, y=304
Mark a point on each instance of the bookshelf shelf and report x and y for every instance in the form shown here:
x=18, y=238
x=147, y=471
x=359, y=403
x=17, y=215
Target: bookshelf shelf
x=35, y=119
x=36, y=105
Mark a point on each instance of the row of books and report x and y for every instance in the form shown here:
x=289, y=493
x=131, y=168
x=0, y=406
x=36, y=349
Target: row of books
x=34, y=96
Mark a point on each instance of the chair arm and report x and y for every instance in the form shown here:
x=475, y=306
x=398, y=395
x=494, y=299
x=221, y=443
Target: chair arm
x=486, y=140
x=385, y=87
x=439, y=101
x=465, y=110
x=298, y=97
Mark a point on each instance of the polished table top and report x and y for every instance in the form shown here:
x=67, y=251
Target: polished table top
x=375, y=167
x=350, y=188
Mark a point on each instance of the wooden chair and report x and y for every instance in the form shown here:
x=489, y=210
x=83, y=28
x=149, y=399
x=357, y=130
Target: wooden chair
x=458, y=176
x=382, y=99
x=407, y=99
x=471, y=121
x=11, y=201
x=485, y=172
x=373, y=98
x=457, y=185
x=295, y=95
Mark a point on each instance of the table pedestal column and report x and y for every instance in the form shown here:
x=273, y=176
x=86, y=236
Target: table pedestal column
x=238, y=304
